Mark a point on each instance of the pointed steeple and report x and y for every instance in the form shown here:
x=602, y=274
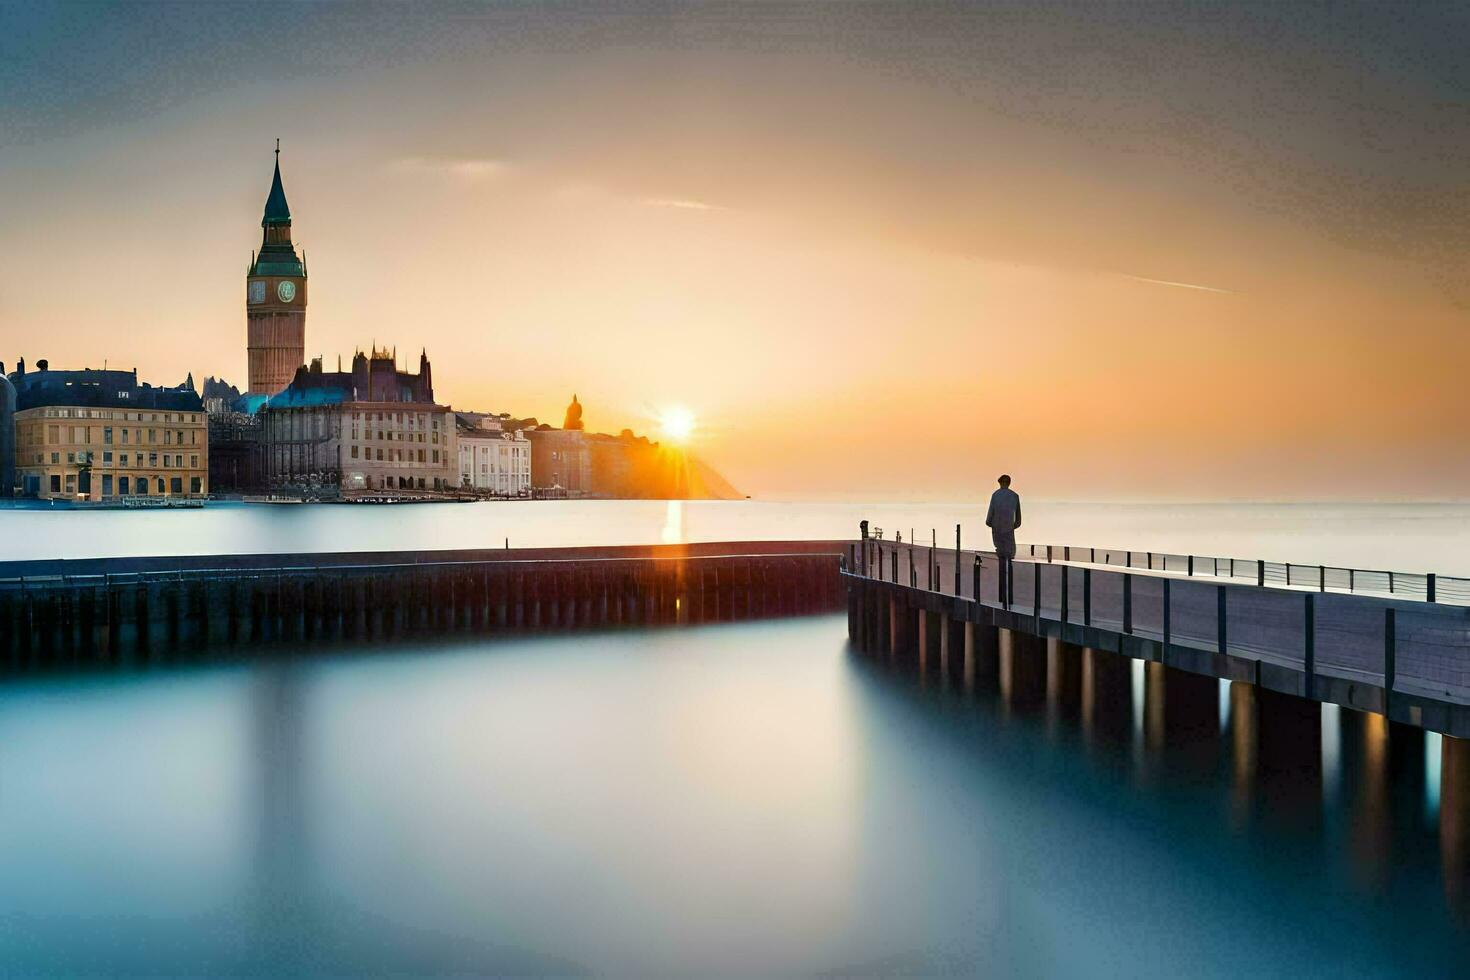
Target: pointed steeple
x=277, y=211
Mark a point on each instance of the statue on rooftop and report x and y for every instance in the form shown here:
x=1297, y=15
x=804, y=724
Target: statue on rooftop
x=574, y=415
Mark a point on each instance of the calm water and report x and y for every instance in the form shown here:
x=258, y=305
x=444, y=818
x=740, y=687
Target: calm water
x=736, y=799
x=1401, y=537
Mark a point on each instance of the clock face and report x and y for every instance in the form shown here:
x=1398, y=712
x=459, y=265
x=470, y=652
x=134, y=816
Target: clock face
x=257, y=291
x=286, y=290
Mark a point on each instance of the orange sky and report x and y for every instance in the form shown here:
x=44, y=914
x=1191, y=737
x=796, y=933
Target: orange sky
x=875, y=255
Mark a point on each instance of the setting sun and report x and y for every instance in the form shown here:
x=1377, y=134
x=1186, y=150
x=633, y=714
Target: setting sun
x=677, y=423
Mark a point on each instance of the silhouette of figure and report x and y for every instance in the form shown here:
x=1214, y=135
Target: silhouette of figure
x=1003, y=518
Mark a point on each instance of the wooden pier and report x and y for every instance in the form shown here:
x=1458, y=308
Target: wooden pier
x=1402, y=654
x=128, y=611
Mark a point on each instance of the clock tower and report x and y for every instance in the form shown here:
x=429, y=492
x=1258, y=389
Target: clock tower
x=275, y=299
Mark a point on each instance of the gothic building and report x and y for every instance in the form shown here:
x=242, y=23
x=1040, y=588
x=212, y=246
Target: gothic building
x=373, y=428
x=275, y=298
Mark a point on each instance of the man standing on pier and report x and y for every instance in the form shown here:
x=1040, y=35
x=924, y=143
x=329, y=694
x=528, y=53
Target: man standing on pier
x=1003, y=518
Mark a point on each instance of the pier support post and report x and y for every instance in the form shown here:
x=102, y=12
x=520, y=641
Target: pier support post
x=1022, y=668
x=1107, y=694
x=981, y=667
x=1179, y=707
x=1063, y=675
x=1454, y=822
x=931, y=640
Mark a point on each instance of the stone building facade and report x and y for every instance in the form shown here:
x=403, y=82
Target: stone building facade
x=370, y=429
x=493, y=460
x=100, y=435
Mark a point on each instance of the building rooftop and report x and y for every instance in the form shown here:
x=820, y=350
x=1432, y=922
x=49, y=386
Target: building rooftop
x=94, y=388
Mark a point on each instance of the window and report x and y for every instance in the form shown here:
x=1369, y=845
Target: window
x=193, y=462
x=106, y=458
x=159, y=483
x=354, y=452
x=107, y=484
x=167, y=460
x=55, y=483
x=71, y=457
x=107, y=435
x=153, y=461
x=125, y=437
x=196, y=485
x=176, y=485
x=123, y=484
x=55, y=458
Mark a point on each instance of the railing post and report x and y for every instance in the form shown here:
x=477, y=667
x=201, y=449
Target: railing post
x=1086, y=597
x=1309, y=645
x=1127, y=603
x=977, y=578
x=1036, y=599
x=1352, y=579
x=1066, y=574
x=1321, y=578
x=863, y=532
x=1150, y=560
x=1389, y=650
x=957, y=554
x=1429, y=586
x=1066, y=552
x=1221, y=619
x=1390, y=583
x=1167, y=623
x=1048, y=554
x=1191, y=566
x=1261, y=573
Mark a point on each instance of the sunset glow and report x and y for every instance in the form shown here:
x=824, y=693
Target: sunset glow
x=987, y=258
x=676, y=424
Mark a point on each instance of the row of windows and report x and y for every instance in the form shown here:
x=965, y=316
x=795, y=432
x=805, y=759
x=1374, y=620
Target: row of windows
x=131, y=485
x=411, y=419
x=391, y=436
x=395, y=455
x=170, y=460
x=93, y=413
x=86, y=435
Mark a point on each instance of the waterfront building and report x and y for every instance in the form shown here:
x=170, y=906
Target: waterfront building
x=7, y=435
x=492, y=459
x=97, y=435
x=371, y=428
x=561, y=464
x=236, y=446
x=275, y=298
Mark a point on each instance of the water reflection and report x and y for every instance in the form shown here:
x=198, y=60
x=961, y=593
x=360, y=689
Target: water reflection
x=736, y=799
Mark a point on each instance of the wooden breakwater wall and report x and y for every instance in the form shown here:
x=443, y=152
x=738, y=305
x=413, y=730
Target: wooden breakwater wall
x=140, y=610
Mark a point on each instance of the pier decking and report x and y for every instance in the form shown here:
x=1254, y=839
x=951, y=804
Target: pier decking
x=1386, y=642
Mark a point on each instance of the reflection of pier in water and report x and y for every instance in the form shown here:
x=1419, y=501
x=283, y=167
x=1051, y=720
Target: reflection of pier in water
x=1201, y=702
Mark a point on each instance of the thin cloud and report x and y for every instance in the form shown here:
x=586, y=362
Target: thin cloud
x=1181, y=285
x=464, y=168
x=684, y=203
